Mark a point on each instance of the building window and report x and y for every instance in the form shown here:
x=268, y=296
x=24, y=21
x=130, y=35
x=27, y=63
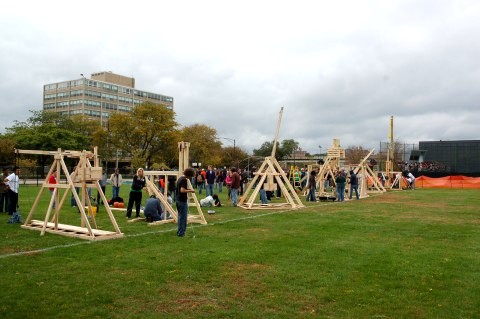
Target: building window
x=63, y=85
x=50, y=87
x=124, y=108
x=76, y=83
x=109, y=106
x=76, y=93
x=109, y=97
x=92, y=103
x=125, y=99
x=93, y=83
x=125, y=90
x=62, y=95
x=93, y=94
x=76, y=102
x=62, y=104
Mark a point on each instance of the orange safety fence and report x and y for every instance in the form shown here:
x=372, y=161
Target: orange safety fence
x=447, y=182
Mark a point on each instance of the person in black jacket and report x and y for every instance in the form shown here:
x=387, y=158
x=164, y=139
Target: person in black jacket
x=353, y=184
x=138, y=184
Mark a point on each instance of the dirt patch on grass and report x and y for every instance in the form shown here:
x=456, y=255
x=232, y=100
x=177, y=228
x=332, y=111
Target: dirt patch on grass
x=234, y=285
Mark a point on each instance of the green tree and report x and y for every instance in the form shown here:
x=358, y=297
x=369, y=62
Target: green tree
x=354, y=154
x=286, y=148
x=265, y=149
x=232, y=157
x=204, y=145
x=148, y=133
x=49, y=131
x=7, y=146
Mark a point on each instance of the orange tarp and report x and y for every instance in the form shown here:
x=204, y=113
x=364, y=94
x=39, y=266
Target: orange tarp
x=447, y=182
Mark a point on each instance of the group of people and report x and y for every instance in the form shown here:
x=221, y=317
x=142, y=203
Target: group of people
x=340, y=182
x=212, y=178
x=153, y=210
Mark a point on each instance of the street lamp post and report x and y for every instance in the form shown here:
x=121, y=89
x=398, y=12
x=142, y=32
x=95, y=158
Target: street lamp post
x=231, y=140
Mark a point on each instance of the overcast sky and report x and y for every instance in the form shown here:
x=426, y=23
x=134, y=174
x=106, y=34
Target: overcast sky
x=340, y=68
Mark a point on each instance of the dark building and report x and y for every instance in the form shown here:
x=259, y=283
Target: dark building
x=459, y=157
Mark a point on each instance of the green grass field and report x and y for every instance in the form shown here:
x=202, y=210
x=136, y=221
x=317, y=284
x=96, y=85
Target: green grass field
x=404, y=254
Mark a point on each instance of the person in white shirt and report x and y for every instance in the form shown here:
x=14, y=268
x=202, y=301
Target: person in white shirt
x=411, y=180
x=116, y=179
x=210, y=201
x=12, y=182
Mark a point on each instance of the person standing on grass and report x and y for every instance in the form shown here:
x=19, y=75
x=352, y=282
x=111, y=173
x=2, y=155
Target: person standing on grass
x=228, y=183
x=116, y=179
x=312, y=187
x=263, y=195
x=103, y=187
x=210, y=180
x=340, y=181
x=4, y=192
x=138, y=184
x=353, y=184
x=219, y=180
x=12, y=182
x=182, y=190
x=235, y=186
x=200, y=181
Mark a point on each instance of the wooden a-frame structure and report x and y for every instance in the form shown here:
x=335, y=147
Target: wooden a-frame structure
x=270, y=171
x=183, y=161
x=329, y=168
x=83, y=177
x=368, y=182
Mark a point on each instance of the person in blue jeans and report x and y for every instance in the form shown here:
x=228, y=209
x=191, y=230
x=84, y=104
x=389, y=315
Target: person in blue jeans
x=182, y=191
x=312, y=184
x=340, y=182
x=235, y=186
x=353, y=184
x=263, y=196
x=210, y=180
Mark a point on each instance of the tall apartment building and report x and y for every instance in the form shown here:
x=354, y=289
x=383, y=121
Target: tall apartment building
x=104, y=93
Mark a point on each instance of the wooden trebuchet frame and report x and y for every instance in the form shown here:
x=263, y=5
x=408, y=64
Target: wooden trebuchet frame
x=192, y=199
x=330, y=166
x=83, y=177
x=183, y=160
x=270, y=171
x=368, y=182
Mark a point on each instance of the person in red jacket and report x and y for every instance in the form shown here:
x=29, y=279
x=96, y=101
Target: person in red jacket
x=52, y=180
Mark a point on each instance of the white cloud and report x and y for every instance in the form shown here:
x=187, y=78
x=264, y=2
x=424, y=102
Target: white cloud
x=340, y=68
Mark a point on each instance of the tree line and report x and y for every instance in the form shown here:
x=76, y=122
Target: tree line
x=147, y=136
